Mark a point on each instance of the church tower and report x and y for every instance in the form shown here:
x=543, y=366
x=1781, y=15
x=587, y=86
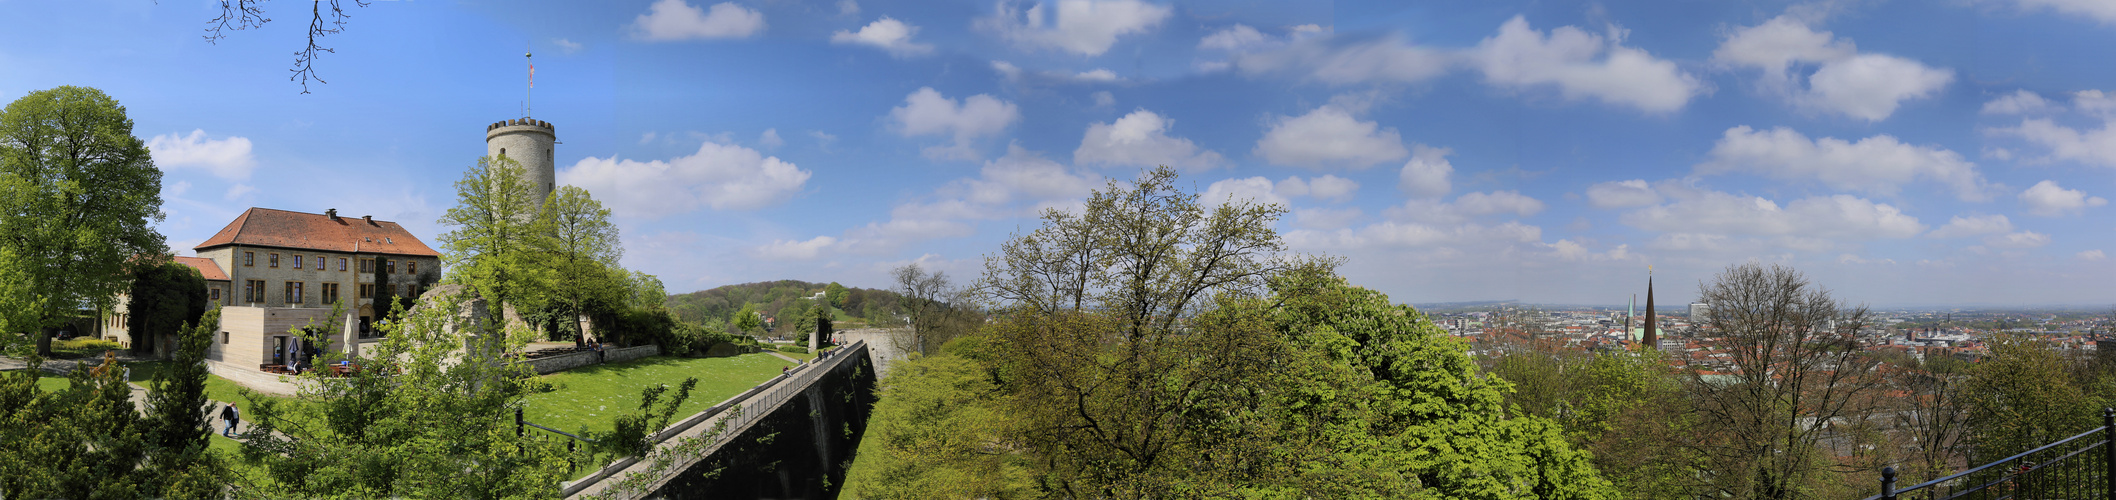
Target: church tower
x=527, y=141
x=1652, y=339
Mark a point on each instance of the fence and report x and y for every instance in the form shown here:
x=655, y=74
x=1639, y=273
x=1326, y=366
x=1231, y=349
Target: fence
x=642, y=475
x=2071, y=468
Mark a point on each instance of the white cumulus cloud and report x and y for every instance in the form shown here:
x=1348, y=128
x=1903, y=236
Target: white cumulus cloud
x=1083, y=27
x=793, y=250
x=1262, y=190
x=1878, y=164
x=2048, y=199
x=1974, y=225
x=1427, y=173
x=2095, y=146
x=1307, y=53
x=1864, y=86
x=669, y=20
x=2091, y=255
x=888, y=34
x=2023, y=239
x=719, y=176
x=1141, y=139
x=2100, y=10
x=1622, y=194
x=1839, y=217
x=1329, y=136
x=927, y=112
x=1327, y=187
x=226, y=157
x=2020, y=102
x=1582, y=65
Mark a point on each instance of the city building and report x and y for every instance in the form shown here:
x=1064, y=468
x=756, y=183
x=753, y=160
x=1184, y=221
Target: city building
x=113, y=327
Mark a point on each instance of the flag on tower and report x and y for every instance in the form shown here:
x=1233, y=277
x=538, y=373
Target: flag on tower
x=532, y=75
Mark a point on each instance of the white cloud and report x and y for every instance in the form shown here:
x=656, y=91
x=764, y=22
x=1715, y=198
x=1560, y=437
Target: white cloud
x=1871, y=86
x=2020, y=102
x=1974, y=225
x=770, y=139
x=2094, y=102
x=2048, y=199
x=1257, y=190
x=1310, y=55
x=720, y=176
x=1393, y=234
x=888, y=34
x=567, y=46
x=669, y=20
x=1327, y=187
x=1878, y=164
x=848, y=8
x=2091, y=255
x=1427, y=173
x=2097, y=146
x=1016, y=185
x=1582, y=65
x=2101, y=10
x=176, y=189
x=1622, y=194
x=793, y=250
x=1083, y=27
x=238, y=191
x=1103, y=99
x=227, y=158
x=927, y=112
x=1840, y=217
x=1097, y=75
x=2023, y=239
x=1007, y=70
x=1497, y=202
x=1141, y=139
x=1865, y=86
x=1325, y=218
x=1327, y=137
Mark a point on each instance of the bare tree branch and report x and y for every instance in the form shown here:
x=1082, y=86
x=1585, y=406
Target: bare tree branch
x=238, y=15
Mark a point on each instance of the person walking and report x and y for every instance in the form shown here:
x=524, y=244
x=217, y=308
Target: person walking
x=231, y=416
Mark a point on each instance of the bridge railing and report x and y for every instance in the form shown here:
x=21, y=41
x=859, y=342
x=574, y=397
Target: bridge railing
x=2078, y=467
x=728, y=419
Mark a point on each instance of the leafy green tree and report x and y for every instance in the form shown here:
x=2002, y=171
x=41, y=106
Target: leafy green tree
x=428, y=413
x=84, y=441
x=491, y=229
x=577, y=247
x=934, y=309
x=164, y=299
x=81, y=195
x=836, y=293
x=939, y=431
x=747, y=320
x=2022, y=397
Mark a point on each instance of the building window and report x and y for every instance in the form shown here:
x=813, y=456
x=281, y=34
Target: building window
x=367, y=290
x=367, y=265
x=215, y=293
x=249, y=259
x=411, y=267
x=503, y=151
x=322, y=264
x=253, y=291
x=389, y=266
x=341, y=263
x=223, y=337
x=330, y=293
x=293, y=292
x=297, y=261
x=272, y=260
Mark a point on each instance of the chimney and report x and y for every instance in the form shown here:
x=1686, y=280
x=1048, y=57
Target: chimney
x=332, y=213
x=370, y=219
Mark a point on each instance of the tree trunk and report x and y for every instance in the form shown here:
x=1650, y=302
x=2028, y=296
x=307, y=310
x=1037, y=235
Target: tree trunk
x=44, y=336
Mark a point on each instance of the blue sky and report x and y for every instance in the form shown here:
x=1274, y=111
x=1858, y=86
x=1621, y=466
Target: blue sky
x=1957, y=152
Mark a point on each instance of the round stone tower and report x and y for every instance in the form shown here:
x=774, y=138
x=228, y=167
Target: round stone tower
x=528, y=141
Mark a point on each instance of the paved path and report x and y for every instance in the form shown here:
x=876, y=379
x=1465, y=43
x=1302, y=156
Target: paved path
x=789, y=359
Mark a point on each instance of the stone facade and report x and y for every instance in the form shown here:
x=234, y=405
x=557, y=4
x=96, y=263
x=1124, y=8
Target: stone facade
x=304, y=260
x=529, y=142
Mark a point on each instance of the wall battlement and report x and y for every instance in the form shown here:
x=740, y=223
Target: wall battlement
x=522, y=122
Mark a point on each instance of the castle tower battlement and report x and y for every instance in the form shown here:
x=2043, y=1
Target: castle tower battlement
x=527, y=141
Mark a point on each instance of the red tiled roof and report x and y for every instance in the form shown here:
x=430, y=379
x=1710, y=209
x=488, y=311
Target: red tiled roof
x=206, y=267
x=306, y=231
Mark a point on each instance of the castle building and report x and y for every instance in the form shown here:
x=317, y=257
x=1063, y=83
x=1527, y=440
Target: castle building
x=285, y=270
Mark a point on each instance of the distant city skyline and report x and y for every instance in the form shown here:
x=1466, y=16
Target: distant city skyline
x=1899, y=153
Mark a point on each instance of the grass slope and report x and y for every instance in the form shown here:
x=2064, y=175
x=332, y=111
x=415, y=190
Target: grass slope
x=592, y=397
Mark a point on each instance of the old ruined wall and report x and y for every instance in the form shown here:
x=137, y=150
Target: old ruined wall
x=800, y=451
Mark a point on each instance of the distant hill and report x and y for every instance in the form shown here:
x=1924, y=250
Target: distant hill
x=771, y=296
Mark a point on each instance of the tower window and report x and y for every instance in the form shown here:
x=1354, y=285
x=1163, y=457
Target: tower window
x=503, y=151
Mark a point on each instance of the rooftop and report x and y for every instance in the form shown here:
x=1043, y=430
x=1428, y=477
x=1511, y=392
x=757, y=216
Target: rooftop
x=307, y=231
x=206, y=267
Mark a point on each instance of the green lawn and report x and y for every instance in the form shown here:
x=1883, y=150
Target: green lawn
x=592, y=396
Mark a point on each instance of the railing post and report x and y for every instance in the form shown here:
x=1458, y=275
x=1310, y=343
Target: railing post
x=2108, y=452
x=1888, y=483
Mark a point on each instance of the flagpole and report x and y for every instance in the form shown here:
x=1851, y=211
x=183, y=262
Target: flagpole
x=530, y=108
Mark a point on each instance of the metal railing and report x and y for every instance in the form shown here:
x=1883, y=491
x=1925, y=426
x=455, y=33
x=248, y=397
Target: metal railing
x=2071, y=468
x=727, y=421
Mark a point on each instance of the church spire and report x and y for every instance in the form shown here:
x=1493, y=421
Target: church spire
x=1652, y=339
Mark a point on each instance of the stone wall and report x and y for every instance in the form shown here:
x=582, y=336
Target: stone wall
x=563, y=362
x=624, y=354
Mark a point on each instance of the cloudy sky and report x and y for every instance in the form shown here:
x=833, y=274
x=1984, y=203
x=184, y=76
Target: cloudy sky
x=1951, y=152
